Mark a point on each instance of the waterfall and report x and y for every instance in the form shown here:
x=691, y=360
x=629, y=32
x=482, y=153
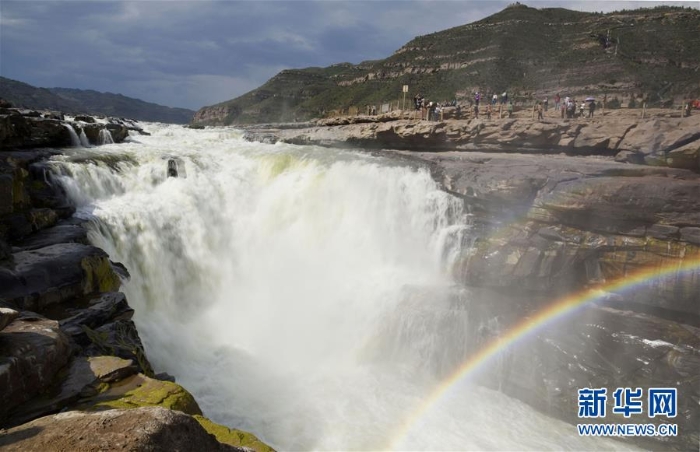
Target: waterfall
x=301, y=293
x=75, y=141
x=84, y=139
x=105, y=137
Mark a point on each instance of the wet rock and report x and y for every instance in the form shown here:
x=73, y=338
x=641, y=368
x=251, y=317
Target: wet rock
x=151, y=428
x=54, y=115
x=30, y=132
x=56, y=273
x=120, y=132
x=32, y=350
x=85, y=118
x=164, y=376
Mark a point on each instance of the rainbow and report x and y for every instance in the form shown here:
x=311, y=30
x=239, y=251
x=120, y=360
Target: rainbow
x=532, y=324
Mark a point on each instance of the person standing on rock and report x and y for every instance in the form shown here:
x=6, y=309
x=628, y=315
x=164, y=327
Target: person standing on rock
x=557, y=100
x=591, y=108
x=540, y=116
x=510, y=109
x=546, y=104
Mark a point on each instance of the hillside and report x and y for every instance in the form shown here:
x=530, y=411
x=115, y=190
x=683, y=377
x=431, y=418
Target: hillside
x=91, y=102
x=652, y=54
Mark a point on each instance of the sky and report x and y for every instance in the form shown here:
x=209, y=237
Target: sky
x=193, y=53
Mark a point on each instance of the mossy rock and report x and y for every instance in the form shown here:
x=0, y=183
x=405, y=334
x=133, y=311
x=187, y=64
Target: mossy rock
x=99, y=275
x=139, y=391
x=233, y=437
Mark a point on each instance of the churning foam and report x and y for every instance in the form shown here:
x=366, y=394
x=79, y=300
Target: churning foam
x=261, y=279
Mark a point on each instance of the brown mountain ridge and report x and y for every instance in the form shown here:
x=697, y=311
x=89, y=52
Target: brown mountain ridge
x=651, y=55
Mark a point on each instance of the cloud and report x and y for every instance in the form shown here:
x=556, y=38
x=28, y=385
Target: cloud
x=193, y=53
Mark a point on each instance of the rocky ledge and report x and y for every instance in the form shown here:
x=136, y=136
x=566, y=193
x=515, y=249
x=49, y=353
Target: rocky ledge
x=655, y=140
x=552, y=214
x=73, y=371
x=32, y=129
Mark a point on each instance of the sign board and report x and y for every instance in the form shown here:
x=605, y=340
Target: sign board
x=405, y=88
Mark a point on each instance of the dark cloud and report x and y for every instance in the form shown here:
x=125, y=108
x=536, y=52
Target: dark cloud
x=195, y=53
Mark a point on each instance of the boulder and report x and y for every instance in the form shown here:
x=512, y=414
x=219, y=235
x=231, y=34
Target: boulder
x=142, y=429
x=32, y=350
x=30, y=132
x=687, y=157
x=56, y=273
x=656, y=138
x=120, y=132
x=81, y=380
x=85, y=118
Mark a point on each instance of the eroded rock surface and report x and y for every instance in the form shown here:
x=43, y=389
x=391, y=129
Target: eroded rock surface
x=141, y=429
x=32, y=350
x=647, y=141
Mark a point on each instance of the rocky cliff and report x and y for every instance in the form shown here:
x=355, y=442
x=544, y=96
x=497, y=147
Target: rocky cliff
x=656, y=140
x=67, y=341
x=646, y=55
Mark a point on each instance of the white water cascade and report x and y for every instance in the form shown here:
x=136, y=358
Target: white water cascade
x=105, y=137
x=276, y=283
x=84, y=139
x=75, y=141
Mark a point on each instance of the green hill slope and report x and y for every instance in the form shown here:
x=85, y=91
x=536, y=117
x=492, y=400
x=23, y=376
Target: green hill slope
x=652, y=54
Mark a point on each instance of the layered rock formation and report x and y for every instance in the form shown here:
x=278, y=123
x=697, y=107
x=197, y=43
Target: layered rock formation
x=67, y=341
x=546, y=227
x=660, y=141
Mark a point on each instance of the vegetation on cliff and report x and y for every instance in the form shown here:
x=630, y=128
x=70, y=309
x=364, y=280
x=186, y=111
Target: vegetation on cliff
x=649, y=55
